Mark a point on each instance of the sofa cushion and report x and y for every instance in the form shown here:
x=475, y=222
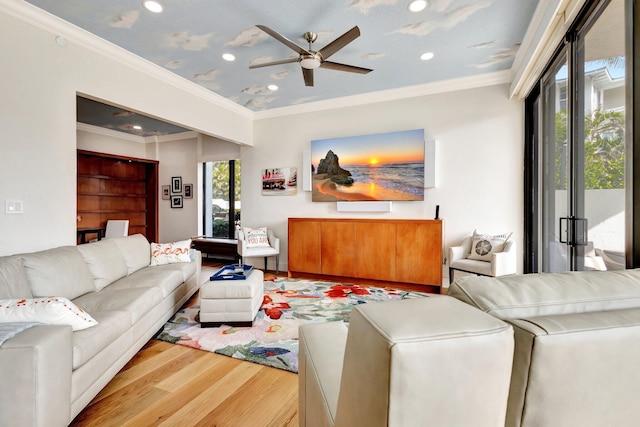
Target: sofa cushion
x=105, y=262
x=135, y=251
x=58, y=272
x=170, y=253
x=544, y=294
x=48, y=310
x=13, y=279
x=136, y=302
x=89, y=342
x=163, y=277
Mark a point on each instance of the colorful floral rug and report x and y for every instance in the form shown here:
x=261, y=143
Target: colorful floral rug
x=273, y=338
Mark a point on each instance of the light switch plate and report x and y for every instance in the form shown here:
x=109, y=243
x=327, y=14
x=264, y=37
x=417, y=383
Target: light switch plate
x=13, y=206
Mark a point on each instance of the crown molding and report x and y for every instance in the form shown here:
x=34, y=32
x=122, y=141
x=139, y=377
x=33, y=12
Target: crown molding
x=44, y=20
x=135, y=138
x=462, y=83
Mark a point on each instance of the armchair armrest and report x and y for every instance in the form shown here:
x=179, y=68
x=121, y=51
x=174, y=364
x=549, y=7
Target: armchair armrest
x=35, y=367
x=273, y=240
x=455, y=253
x=505, y=262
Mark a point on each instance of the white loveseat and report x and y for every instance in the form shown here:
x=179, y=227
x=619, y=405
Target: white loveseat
x=49, y=372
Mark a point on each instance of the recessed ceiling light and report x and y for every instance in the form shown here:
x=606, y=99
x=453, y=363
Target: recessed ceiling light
x=417, y=5
x=137, y=127
x=272, y=87
x=426, y=56
x=228, y=57
x=152, y=6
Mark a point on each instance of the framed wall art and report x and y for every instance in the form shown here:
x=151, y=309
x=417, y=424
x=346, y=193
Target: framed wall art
x=279, y=182
x=176, y=202
x=188, y=191
x=176, y=185
x=166, y=192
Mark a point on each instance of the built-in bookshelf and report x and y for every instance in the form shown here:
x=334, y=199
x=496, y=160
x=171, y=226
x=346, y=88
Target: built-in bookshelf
x=117, y=187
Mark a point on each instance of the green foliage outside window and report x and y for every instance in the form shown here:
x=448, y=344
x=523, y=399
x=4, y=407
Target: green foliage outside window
x=603, y=149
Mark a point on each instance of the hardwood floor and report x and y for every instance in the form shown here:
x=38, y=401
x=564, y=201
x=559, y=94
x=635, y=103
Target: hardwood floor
x=173, y=385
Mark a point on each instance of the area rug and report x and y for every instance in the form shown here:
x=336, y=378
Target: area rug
x=273, y=338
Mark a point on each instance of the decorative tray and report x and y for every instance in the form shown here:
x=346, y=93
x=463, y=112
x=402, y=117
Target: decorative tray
x=233, y=272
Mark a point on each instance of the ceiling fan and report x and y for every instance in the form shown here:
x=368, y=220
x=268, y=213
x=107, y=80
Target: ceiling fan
x=310, y=59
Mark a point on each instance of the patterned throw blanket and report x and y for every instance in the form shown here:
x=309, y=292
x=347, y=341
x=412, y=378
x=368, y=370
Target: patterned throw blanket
x=10, y=330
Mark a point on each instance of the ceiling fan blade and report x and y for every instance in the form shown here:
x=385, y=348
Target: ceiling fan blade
x=282, y=39
x=308, y=76
x=340, y=42
x=268, y=64
x=344, y=67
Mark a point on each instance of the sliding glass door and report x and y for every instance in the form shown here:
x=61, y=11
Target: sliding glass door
x=582, y=197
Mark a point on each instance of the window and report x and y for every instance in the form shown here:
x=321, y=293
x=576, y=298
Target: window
x=221, y=207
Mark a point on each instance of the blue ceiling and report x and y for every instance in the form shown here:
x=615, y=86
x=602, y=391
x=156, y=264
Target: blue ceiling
x=467, y=37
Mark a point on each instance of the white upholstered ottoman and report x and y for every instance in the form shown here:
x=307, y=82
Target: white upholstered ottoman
x=231, y=302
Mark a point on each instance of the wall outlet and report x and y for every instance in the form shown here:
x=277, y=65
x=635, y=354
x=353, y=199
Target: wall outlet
x=13, y=207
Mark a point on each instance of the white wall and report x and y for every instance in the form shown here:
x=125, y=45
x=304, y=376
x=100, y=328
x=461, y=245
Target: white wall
x=479, y=161
x=38, y=90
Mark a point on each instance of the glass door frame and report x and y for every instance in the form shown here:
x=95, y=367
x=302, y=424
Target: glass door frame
x=575, y=128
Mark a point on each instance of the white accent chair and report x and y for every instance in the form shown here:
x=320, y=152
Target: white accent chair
x=501, y=264
x=248, y=252
x=116, y=228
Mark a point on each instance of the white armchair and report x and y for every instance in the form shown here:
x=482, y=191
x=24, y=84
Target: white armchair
x=500, y=263
x=249, y=246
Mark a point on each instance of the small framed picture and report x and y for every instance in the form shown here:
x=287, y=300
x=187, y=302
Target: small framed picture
x=188, y=191
x=165, y=192
x=176, y=185
x=176, y=202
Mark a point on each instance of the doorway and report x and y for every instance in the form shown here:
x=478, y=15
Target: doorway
x=579, y=112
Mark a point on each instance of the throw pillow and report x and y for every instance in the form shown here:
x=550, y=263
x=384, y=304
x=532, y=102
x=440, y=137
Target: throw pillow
x=50, y=311
x=483, y=245
x=170, y=253
x=256, y=237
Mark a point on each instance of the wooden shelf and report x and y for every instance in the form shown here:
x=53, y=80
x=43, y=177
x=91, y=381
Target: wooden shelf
x=117, y=187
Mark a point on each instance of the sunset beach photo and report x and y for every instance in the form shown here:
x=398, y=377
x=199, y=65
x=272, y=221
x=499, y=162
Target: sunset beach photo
x=388, y=166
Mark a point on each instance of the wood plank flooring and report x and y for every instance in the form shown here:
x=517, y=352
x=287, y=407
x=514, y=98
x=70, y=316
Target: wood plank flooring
x=173, y=385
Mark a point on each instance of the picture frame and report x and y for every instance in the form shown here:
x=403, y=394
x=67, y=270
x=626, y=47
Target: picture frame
x=166, y=192
x=279, y=181
x=188, y=191
x=176, y=185
x=176, y=202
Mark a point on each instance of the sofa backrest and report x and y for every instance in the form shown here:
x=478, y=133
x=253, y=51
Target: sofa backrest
x=59, y=272
x=136, y=251
x=532, y=295
x=577, y=344
x=13, y=279
x=105, y=261
x=422, y=361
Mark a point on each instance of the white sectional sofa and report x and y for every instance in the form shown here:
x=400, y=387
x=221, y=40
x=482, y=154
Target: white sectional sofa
x=535, y=350
x=49, y=372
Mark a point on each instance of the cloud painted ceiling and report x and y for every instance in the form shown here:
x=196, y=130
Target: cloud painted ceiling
x=467, y=37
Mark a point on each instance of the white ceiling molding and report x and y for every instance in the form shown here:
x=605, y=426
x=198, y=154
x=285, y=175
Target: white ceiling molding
x=109, y=132
x=39, y=18
x=135, y=138
x=482, y=80
x=546, y=31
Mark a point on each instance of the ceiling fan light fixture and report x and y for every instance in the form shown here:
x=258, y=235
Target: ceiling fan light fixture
x=310, y=62
x=417, y=5
x=152, y=6
x=272, y=87
x=228, y=57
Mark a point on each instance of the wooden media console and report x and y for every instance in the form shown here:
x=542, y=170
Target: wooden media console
x=388, y=251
